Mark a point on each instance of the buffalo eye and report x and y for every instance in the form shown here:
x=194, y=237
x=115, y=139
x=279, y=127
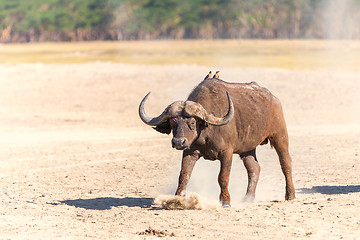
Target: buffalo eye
x=192, y=124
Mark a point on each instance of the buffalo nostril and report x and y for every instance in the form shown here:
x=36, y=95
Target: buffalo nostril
x=178, y=142
x=174, y=142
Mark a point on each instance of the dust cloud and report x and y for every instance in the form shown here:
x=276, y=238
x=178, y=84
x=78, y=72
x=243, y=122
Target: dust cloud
x=203, y=189
x=190, y=202
x=336, y=20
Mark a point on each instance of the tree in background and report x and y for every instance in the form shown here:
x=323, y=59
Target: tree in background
x=78, y=20
x=57, y=20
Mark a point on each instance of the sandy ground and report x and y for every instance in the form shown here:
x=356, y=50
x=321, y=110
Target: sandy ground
x=76, y=162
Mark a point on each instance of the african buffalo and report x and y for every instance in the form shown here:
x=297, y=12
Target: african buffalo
x=252, y=117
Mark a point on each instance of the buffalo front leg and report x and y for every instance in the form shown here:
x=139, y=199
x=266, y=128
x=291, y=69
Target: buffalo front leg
x=223, y=179
x=253, y=170
x=188, y=162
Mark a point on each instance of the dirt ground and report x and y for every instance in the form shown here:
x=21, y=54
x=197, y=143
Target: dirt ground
x=76, y=162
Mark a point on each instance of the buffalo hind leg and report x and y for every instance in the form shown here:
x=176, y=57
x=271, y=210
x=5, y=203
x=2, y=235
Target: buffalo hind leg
x=253, y=170
x=188, y=162
x=281, y=144
x=223, y=179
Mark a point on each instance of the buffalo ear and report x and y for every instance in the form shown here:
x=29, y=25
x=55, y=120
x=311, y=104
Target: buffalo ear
x=202, y=124
x=163, y=127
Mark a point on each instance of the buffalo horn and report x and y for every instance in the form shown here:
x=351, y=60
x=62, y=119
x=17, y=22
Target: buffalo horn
x=197, y=110
x=148, y=120
x=211, y=119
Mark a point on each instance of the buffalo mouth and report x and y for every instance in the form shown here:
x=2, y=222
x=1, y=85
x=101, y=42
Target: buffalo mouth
x=182, y=147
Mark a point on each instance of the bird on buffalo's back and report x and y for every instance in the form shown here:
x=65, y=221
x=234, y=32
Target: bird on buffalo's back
x=216, y=75
x=208, y=76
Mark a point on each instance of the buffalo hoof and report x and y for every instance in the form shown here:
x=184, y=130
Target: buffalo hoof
x=289, y=197
x=180, y=193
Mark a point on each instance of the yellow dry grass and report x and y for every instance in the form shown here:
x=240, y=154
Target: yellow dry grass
x=289, y=54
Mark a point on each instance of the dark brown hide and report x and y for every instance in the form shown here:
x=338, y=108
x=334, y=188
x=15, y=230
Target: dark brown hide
x=255, y=109
x=258, y=118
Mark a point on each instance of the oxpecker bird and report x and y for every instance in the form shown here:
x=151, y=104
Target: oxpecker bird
x=208, y=76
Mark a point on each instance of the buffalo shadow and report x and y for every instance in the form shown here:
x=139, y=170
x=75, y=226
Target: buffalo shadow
x=106, y=203
x=330, y=190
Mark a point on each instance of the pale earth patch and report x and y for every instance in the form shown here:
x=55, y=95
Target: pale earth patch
x=78, y=163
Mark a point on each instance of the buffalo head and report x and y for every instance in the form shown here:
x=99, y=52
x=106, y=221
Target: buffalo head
x=185, y=119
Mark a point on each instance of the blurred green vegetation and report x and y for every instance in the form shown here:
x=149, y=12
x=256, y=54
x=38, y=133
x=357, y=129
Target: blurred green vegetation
x=77, y=20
